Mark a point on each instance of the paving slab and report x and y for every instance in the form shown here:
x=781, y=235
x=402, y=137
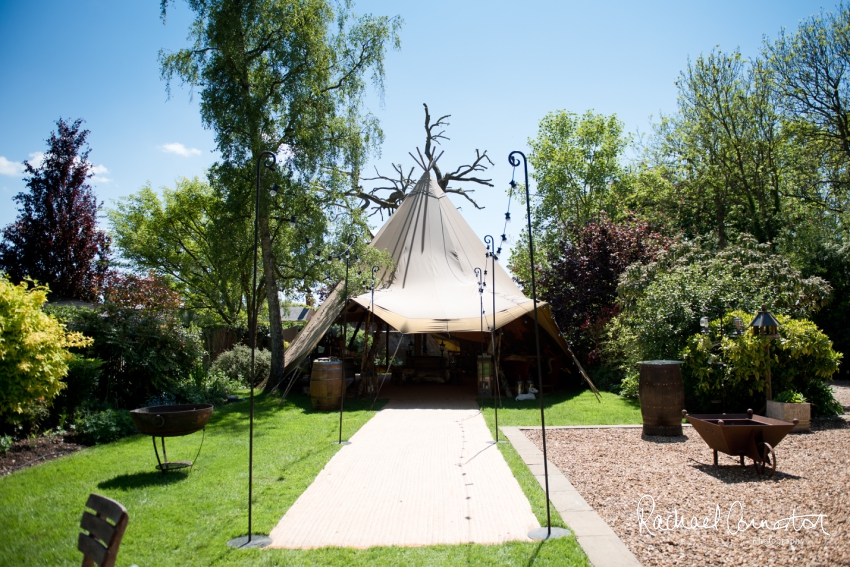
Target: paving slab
x=420, y=472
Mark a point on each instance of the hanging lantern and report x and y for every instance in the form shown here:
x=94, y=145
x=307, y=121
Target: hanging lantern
x=765, y=324
x=737, y=326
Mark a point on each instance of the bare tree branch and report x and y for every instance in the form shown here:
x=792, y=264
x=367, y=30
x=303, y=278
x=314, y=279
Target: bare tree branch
x=399, y=184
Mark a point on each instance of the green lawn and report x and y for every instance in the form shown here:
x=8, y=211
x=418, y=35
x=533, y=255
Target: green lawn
x=186, y=518
x=565, y=408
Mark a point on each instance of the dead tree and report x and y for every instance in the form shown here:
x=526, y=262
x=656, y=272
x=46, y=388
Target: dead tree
x=392, y=191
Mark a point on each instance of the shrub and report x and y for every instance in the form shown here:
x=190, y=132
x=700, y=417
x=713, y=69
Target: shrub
x=820, y=396
x=211, y=387
x=236, y=364
x=580, y=280
x=790, y=397
x=662, y=302
x=34, y=352
x=630, y=386
x=81, y=385
x=6, y=442
x=105, y=426
x=139, y=336
x=802, y=354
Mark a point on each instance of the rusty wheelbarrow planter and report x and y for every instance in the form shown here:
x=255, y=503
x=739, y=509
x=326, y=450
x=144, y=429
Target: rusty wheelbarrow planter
x=742, y=435
x=172, y=421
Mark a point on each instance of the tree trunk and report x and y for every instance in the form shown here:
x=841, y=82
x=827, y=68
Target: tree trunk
x=275, y=322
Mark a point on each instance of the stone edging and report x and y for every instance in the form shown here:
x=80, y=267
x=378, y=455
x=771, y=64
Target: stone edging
x=597, y=539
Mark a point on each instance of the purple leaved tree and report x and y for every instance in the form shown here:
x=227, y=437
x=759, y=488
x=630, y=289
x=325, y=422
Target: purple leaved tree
x=55, y=239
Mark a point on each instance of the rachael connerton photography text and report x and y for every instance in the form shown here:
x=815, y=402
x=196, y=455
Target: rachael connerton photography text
x=735, y=520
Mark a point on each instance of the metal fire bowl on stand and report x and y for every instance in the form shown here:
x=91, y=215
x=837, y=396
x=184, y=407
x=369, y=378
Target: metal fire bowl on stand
x=172, y=421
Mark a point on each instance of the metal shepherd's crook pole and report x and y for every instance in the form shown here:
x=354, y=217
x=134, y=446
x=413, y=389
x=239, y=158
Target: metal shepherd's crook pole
x=372, y=305
x=498, y=399
x=481, y=306
x=344, y=342
x=270, y=161
x=514, y=161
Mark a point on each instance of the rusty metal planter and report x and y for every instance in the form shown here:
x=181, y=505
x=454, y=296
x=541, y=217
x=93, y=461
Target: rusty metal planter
x=172, y=421
x=742, y=435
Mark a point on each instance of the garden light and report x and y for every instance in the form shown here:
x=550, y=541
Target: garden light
x=268, y=160
x=491, y=245
x=548, y=532
x=737, y=326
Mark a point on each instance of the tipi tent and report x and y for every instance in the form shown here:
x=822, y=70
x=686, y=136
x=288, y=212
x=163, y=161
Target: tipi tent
x=433, y=288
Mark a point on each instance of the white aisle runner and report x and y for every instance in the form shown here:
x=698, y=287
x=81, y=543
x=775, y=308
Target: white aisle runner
x=418, y=473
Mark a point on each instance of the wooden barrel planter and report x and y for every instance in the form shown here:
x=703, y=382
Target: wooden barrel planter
x=326, y=384
x=662, y=397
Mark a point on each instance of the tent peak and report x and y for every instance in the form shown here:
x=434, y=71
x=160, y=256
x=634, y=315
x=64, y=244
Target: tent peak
x=426, y=164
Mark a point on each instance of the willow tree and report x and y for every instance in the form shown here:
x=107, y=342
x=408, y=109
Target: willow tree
x=286, y=76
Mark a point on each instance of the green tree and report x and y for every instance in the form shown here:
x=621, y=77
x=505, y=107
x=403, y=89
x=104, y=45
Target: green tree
x=810, y=68
x=576, y=160
x=578, y=169
x=34, y=354
x=286, y=76
x=723, y=151
x=191, y=237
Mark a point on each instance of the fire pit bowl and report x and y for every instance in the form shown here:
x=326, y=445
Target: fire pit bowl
x=172, y=421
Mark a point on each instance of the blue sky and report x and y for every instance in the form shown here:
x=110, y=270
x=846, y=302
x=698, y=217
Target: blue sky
x=496, y=67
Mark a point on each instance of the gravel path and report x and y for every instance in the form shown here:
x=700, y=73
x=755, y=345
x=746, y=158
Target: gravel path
x=841, y=391
x=615, y=469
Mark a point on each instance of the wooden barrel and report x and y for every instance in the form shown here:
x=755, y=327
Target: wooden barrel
x=662, y=397
x=326, y=384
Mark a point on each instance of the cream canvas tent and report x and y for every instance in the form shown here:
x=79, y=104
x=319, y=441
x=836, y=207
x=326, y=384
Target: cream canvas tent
x=433, y=288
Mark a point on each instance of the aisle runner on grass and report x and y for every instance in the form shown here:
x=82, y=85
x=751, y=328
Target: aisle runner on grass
x=418, y=473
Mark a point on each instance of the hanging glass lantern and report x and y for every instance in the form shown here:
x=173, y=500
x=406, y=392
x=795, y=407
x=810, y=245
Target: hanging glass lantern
x=737, y=326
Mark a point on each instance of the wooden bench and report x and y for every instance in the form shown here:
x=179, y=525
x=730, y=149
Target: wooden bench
x=100, y=545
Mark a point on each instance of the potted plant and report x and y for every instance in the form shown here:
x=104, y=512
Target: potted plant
x=790, y=405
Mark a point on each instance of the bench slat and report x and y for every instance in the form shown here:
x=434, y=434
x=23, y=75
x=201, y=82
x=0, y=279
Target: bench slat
x=98, y=527
x=91, y=548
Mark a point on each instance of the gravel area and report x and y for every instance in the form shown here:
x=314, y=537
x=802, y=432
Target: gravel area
x=841, y=391
x=616, y=470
